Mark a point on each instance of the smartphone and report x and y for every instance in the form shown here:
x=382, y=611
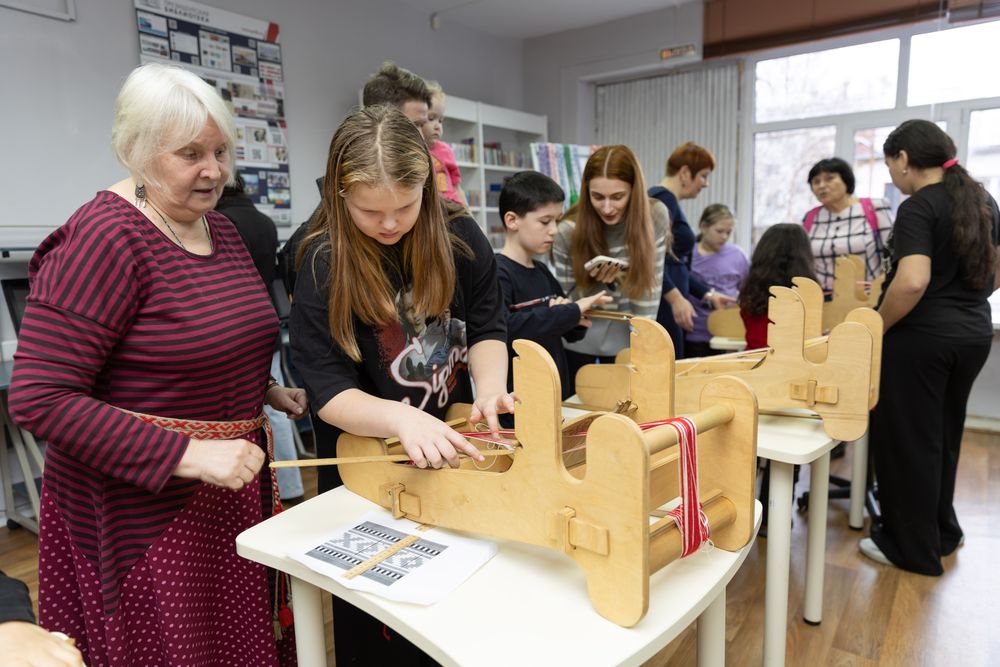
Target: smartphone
x=604, y=259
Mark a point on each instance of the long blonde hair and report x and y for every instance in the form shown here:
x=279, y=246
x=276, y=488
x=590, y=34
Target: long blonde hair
x=616, y=162
x=379, y=147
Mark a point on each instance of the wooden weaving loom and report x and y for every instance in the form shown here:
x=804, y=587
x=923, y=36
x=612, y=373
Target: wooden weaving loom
x=835, y=376
x=848, y=295
x=602, y=513
x=849, y=290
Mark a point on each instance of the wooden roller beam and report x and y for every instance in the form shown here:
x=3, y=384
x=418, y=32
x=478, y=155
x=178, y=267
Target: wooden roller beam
x=659, y=438
x=666, y=546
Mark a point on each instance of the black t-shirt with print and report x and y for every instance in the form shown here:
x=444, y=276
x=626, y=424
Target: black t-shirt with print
x=543, y=324
x=948, y=308
x=422, y=363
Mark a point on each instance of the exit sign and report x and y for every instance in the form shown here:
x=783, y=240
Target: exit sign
x=678, y=51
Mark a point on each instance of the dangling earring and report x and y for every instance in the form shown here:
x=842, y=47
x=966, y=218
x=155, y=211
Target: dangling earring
x=140, y=196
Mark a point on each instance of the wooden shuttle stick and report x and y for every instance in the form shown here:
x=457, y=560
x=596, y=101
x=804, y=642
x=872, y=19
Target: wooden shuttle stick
x=608, y=315
x=378, y=458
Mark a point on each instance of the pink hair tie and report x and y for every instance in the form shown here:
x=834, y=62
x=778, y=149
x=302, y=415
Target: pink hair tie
x=950, y=163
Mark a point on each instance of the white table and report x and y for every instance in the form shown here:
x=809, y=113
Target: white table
x=786, y=442
x=727, y=344
x=528, y=605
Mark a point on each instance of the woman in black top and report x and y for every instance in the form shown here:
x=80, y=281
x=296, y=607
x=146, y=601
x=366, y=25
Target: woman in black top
x=938, y=333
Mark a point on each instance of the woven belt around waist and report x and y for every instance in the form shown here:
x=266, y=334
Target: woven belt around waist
x=219, y=430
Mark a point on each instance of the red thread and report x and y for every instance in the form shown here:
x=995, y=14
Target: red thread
x=689, y=517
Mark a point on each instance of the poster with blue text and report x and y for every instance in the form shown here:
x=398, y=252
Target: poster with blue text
x=241, y=57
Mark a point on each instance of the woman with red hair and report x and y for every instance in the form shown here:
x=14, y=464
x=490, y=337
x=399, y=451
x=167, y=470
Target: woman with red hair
x=688, y=169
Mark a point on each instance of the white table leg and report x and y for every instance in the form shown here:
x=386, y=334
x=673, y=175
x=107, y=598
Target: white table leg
x=779, y=544
x=712, y=633
x=310, y=637
x=859, y=482
x=819, y=493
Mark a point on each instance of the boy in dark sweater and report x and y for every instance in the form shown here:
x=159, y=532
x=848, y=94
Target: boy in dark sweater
x=536, y=306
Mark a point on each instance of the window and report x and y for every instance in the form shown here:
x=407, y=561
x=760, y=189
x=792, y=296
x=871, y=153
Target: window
x=844, y=102
x=835, y=81
x=871, y=176
x=984, y=149
x=782, y=161
x=954, y=64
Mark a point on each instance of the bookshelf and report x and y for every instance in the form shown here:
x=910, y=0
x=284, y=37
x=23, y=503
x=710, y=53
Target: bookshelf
x=490, y=143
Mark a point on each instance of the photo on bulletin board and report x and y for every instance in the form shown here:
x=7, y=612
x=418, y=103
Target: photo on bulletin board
x=241, y=58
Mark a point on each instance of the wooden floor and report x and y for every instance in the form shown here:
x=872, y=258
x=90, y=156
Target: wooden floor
x=872, y=614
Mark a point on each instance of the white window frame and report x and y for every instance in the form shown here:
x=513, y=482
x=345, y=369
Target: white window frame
x=954, y=114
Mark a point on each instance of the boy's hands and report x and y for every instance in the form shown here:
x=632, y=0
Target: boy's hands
x=589, y=302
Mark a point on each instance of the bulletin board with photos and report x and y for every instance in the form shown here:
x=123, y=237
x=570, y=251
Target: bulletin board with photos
x=241, y=57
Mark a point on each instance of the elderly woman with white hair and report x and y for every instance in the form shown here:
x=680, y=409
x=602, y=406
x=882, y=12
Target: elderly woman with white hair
x=143, y=360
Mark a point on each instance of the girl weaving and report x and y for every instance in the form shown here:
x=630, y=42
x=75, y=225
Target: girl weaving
x=396, y=303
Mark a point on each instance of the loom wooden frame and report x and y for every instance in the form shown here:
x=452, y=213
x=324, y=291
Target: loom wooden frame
x=600, y=512
x=836, y=376
x=848, y=294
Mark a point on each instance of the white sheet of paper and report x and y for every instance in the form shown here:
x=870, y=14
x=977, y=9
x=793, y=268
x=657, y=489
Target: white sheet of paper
x=421, y=573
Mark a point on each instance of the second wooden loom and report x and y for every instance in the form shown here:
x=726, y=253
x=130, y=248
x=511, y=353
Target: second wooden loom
x=602, y=513
x=848, y=295
x=835, y=376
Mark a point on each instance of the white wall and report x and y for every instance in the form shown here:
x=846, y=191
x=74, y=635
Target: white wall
x=559, y=69
x=60, y=79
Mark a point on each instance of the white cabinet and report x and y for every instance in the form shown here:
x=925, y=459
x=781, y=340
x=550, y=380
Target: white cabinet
x=490, y=143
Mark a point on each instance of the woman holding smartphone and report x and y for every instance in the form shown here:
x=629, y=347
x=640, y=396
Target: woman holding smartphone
x=628, y=234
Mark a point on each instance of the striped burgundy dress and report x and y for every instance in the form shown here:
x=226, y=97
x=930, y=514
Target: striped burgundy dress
x=139, y=566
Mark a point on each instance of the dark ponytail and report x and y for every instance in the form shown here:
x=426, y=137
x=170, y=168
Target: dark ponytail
x=927, y=146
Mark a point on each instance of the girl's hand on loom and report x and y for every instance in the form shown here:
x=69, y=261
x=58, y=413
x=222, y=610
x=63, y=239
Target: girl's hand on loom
x=428, y=441
x=231, y=464
x=486, y=408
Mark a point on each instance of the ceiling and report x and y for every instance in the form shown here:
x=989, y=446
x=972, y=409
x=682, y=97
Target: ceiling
x=522, y=19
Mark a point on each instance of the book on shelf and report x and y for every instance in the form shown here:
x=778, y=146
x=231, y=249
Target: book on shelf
x=564, y=164
x=493, y=194
x=464, y=150
x=494, y=155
